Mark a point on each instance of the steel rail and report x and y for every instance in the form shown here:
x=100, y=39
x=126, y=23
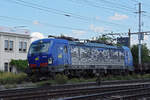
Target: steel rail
x=72, y=85
x=72, y=92
x=61, y=88
x=111, y=94
x=133, y=96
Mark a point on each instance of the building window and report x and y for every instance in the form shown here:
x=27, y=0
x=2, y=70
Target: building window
x=20, y=46
x=6, y=67
x=6, y=44
x=23, y=46
x=10, y=45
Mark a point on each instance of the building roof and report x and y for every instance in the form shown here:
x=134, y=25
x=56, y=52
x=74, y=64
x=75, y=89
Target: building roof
x=15, y=35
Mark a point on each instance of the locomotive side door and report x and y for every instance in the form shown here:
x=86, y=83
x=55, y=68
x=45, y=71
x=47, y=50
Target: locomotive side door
x=65, y=54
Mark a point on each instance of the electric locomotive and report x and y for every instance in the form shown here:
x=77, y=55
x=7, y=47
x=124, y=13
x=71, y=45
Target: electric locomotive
x=49, y=56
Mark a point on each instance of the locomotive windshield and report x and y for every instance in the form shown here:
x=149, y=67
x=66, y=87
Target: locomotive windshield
x=39, y=48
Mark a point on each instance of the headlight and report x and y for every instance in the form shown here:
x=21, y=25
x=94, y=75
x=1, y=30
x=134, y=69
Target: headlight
x=50, y=61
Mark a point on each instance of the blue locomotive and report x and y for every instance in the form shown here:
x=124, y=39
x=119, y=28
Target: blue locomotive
x=53, y=55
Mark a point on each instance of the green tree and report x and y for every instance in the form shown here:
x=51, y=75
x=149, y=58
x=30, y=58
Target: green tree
x=21, y=65
x=145, y=53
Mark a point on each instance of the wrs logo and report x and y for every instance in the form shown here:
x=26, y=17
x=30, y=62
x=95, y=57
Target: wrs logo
x=36, y=58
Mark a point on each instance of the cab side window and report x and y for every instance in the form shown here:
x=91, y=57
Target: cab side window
x=65, y=49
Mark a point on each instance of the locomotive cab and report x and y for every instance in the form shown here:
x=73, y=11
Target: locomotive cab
x=48, y=56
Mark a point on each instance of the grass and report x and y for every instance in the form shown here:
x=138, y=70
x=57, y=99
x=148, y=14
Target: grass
x=59, y=79
x=62, y=79
x=79, y=80
x=8, y=86
x=11, y=78
x=128, y=77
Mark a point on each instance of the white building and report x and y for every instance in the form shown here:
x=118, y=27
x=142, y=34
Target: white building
x=12, y=46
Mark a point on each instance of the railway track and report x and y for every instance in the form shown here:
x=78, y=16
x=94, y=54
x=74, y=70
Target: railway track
x=127, y=94
x=73, y=85
x=70, y=90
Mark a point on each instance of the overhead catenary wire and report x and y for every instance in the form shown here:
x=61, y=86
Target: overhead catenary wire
x=47, y=9
x=43, y=23
x=136, y=1
x=148, y=16
x=146, y=13
x=95, y=5
x=126, y=2
x=49, y=25
x=120, y=6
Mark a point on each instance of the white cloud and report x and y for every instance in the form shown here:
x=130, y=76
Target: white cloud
x=97, y=28
x=147, y=40
x=78, y=32
x=118, y=17
x=146, y=37
x=97, y=18
x=36, y=36
x=134, y=41
x=36, y=22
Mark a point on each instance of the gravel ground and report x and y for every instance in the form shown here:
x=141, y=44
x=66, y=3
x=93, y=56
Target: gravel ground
x=17, y=86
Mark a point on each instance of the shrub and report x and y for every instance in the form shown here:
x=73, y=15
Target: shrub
x=74, y=80
x=146, y=76
x=61, y=79
x=11, y=78
x=21, y=65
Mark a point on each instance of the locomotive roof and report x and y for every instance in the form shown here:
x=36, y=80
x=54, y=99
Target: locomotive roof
x=93, y=44
x=49, y=39
x=89, y=44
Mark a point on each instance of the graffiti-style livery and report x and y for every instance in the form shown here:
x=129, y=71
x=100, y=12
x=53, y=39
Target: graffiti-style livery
x=51, y=55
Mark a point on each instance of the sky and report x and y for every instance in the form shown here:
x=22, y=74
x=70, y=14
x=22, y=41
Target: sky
x=83, y=19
